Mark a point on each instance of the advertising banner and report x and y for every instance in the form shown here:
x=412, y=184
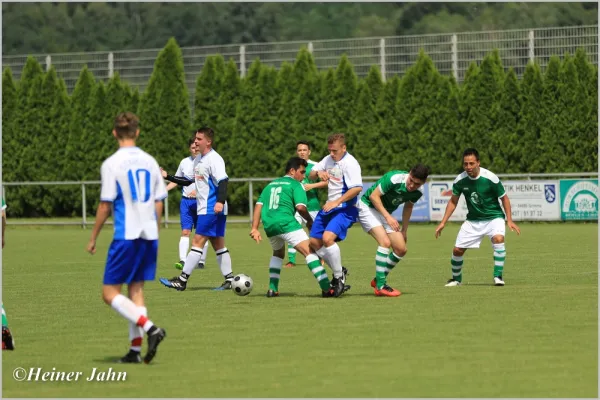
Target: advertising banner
x=420, y=211
x=439, y=195
x=533, y=200
x=579, y=199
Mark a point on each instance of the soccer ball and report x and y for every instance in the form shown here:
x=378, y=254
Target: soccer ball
x=242, y=285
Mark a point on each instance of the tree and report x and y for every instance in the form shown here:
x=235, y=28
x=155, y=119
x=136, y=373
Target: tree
x=363, y=127
x=10, y=100
x=344, y=96
x=322, y=122
x=530, y=118
x=207, y=95
x=304, y=89
x=550, y=149
x=445, y=147
x=387, y=109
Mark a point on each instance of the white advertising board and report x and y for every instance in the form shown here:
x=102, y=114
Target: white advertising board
x=439, y=195
x=533, y=200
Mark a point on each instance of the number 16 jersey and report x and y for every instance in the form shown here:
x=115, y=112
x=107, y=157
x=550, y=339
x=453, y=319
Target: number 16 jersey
x=279, y=200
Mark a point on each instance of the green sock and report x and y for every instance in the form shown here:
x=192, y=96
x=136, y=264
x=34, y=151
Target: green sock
x=457, y=263
x=381, y=266
x=275, y=273
x=392, y=260
x=292, y=254
x=4, y=320
x=318, y=271
x=499, y=257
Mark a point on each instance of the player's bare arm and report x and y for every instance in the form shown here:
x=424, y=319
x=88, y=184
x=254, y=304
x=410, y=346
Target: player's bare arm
x=450, y=207
x=508, y=211
x=318, y=185
x=349, y=195
x=303, y=211
x=254, y=232
x=102, y=214
x=158, y=206
x=375, y=198
x=322, y=175
x=406, y=213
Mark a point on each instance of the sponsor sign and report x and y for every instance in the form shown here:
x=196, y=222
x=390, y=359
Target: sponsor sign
x=579, y=199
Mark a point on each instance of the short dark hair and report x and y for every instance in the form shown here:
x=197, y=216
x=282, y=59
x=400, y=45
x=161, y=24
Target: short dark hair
x=471, y=152
x=295, y=163
x=126, y=125
x=304, y=142
x=209, y=133
x=420, y=171
x=191, y=140
x=337, y=137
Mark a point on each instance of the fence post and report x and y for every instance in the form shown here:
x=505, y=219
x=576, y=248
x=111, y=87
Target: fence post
x=250, y=202
x=531, y=46
x=455, y=57
x=48, y=62
x=242, y=61
x=310, y=47
x=83, y=206
x=111, y=65
x=166, y=211
x=382, y=58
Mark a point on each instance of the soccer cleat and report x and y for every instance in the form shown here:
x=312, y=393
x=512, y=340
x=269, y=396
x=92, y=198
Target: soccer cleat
x=154, y=340
x=387, y=291
x=290, y=264
x=328, y=293
x=225, y=285
x=133, y=357
x=7, y=340
x=180, y=265
x=174, y=283
x=338, y=287
x=345, y=274
x=452, y=282
x=200, y=265
x=498, y=281
x=272, y=293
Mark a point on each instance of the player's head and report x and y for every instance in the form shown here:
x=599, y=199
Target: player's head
x=303, y=149
x=471, y=162
x=204, y=139
x=417, y=177
x=336, y=144
x=126, y=126
x=296, y=168
x=192, y=146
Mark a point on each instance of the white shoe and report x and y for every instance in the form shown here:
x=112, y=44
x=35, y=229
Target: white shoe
x=452, y=282
x=200, y=265
x=498, y=281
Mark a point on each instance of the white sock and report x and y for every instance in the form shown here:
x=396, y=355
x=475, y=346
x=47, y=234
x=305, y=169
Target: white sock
x=136, y=333
x=204, y=253
x=333, y=256
x=322, y=253
x=275, y=267
x=127, y=308
x=184, y=244
x=192, y=260
x=224, y=261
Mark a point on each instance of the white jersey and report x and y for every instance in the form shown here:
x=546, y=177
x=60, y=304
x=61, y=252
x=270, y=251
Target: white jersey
x=131, y=180
x=209, y=170
x=186, y=170
x=343, y=175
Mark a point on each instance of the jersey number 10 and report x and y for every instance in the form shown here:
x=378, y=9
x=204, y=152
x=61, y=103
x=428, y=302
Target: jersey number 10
x=274, y=200
x=142, y=176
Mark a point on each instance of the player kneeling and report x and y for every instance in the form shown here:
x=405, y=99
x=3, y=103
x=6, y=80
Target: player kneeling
x=276, y=206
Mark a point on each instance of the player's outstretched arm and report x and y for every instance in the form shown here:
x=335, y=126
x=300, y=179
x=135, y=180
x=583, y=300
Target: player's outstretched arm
x=102, y=215
x=450, y=207
x=318, y=185
x=349, y=195
x=254, y=232
x=180, y=180
x=508, y=211
x=375, y=198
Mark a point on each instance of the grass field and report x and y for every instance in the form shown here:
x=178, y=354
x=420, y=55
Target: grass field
x=535, y=337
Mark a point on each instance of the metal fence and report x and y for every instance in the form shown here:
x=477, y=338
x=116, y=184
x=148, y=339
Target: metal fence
x=451, y=54
x=84, y=222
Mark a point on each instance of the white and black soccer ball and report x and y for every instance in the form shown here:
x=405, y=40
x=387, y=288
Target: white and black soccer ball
x=242, y=285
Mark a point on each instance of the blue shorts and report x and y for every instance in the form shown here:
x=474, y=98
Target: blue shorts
x=188, y=213
x=338, y=222
x=211, y=225
x=131, y=261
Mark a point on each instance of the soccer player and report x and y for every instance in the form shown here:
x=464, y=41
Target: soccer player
x=187, y=206
x=485, y=217
x=374, y=214
x=211, y=194
x=277, y=204
x=342, y=172
x=303, y=151
x=132, y=185
x=8, y=342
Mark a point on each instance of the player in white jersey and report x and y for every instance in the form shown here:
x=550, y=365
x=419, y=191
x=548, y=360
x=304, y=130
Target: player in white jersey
x=343, y=174
x=8, y=342
x=132, y=186
x=211, y=182
x=187, y=206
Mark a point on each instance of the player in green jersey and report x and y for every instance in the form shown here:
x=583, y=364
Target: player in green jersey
x=485, y=217
x=375, y=210
x=276, y=206
x=7, y=340
x=313, y=205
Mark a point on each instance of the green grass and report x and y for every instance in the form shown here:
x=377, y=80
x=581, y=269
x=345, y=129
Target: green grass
x=535, y=337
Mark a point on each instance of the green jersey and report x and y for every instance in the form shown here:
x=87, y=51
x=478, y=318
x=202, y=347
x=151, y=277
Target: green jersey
x=3, y=204
x=392, y=186
x=482, y=194
x=279, y=200
x=311, y=195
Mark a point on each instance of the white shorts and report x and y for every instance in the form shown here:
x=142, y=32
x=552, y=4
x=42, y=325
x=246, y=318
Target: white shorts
x=302, y=221
x=291, y=238
x=472, y=232
x=370, y=218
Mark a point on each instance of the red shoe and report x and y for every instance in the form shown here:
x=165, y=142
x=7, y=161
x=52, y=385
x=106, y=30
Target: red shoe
x=387, y=291
x=290, y=265
x=374, y=284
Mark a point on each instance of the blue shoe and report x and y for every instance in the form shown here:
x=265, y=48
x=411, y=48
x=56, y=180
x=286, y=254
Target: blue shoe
x=174, y=283
x=225, y=286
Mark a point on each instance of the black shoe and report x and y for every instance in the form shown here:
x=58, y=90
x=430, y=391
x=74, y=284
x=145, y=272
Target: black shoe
x=7, y=340
x=225, y=285
x=174, y=283
x=272, y=293
x=338, y=287
x=133, y=357
x=345, y=274
x=328, y=293
x=154, y=340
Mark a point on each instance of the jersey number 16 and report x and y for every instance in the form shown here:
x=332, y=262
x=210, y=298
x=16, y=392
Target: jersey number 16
x=274, y=200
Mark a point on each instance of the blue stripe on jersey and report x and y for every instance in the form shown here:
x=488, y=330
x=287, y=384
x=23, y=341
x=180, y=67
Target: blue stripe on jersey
x=119, y=214
x=345, y=188
x=212, y=197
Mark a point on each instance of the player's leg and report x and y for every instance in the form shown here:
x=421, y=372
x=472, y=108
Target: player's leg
x=8, y=342
x=496, y=231
x=468, y=237
x=291, y=250
x=398, y=250
x=187, y=221
x=278, y=246
x=217, y=239
x=314, y=264
x=136, y=333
